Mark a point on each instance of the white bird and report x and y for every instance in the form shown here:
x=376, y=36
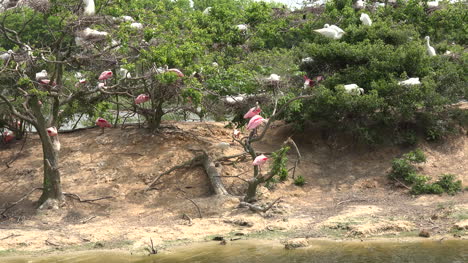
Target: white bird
x=128, y=19
x=214, y=64
x=379, y=4
x=433, y=3
x=409, y=82
x=124, y=73
x=447, y=52
x=242, y=27
x=136, y=25
x=207, y=10
x=353, y=89
x=332, y=31
x=360, y=4
x=274, y=77
x=89, y=33
x=80, y=42
x=41, y=75
x=365, y=19
x=89, y=8
x=234, y=99
x=6, y=55
x=307, y=60
x=430, y=50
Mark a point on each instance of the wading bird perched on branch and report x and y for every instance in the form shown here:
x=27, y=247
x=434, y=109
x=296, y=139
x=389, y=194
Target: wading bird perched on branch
x=253, y=111
x=332, y=32
x=207, y=10
x=256, y=121
x=52, y=131
x=354, y=89
x=365, y=19
x=409, y=82
x=105, y=75
x=260, y=160
x=6, y=55
x=430, y=50
x=41, y=75
x=89, y=8
x=177, y=71
x=142, y=98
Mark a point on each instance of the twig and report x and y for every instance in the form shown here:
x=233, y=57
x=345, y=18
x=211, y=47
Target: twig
x=88, y=219
x=195, y=204
x=151, y=250
x=350, y=200
x=12, y=235
x=21, y=199
x=77, y=197
x=50, y=243
x=17, y=155
x=185, y=216
x=402, y=184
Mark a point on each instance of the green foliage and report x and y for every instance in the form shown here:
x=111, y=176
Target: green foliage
x=403, y=170
x=279, y=166
x=299, y=181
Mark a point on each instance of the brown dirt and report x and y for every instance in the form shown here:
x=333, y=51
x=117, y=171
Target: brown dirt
x=347, y=194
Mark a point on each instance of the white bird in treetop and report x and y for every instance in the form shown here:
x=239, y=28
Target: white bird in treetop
x=360, y=4
x=409, y=82
x=6, y=55
x=207, y=10
x=274, y=78
x=365, y=19
x=89, y=33
x=430, y=50
x=332, y=31
x=354, y=89
x=89, y=9
x=136, y=25
x=41, y=75
x=128, y=19
x=242, y=27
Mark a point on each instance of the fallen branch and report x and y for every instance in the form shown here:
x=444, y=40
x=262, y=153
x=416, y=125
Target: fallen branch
x=77, y=197
x=402, y=184
x=87, y=220
x=185, y=216
x=197, y=160
x=350, y=200
x=21, y=199
x=259, y=209
x=50, y=243
x=12, y=235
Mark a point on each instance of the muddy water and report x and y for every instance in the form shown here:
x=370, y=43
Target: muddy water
x=269, y=252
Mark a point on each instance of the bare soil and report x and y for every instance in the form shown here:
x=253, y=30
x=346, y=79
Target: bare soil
x=347, y=194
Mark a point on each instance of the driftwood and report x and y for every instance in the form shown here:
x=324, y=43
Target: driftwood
x=257, y=208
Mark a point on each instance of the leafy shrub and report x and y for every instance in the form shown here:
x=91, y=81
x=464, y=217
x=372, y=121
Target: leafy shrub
x=279, y=166
x=299, y=181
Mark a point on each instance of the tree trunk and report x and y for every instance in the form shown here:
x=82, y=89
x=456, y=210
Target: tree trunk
x=155, y=117
x=52, y=192
x=213, y=175
x=251, y=194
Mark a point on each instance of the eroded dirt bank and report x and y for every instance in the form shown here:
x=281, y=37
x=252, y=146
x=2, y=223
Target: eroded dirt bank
x=347, y=195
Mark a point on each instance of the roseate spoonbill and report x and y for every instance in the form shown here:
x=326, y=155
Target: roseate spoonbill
x=430, y=50
x=103, y=123
x=332, y=32
x=142, y=98
x=274, y=78
x=136, y=25
x=8, y=136
x=256, y=121
x=409, y=82
x=353, y=89
x=179, y=73
x=52, y=131
x=6, y=55
x=207, y=10
x=89, y=9
x=365, y=19
x=242, y=27
x=41, y=75
x=260, y=160
x=253, y=112
x=105, y=75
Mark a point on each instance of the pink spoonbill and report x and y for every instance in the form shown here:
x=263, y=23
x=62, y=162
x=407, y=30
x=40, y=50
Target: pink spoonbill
x=178, y=72
x=103, y=123
x=252, y=112
x=8, y=136
x=142, y=98
x=256, y=121
x=260, y=160
x=52, y=131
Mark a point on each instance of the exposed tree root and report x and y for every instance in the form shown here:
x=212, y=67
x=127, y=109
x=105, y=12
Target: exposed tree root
x=257, y=208
x=77, y=197
x=20, y=200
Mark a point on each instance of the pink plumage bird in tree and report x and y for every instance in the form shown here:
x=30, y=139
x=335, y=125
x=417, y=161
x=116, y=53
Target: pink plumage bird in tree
x=256, y=121
x=103, y=123
x=142, y=98
x=105, y=75
x=260, y=160
x=252, y=112
x=178, y=72
x=8, y=136
x=52, y=131
x=310, y=82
